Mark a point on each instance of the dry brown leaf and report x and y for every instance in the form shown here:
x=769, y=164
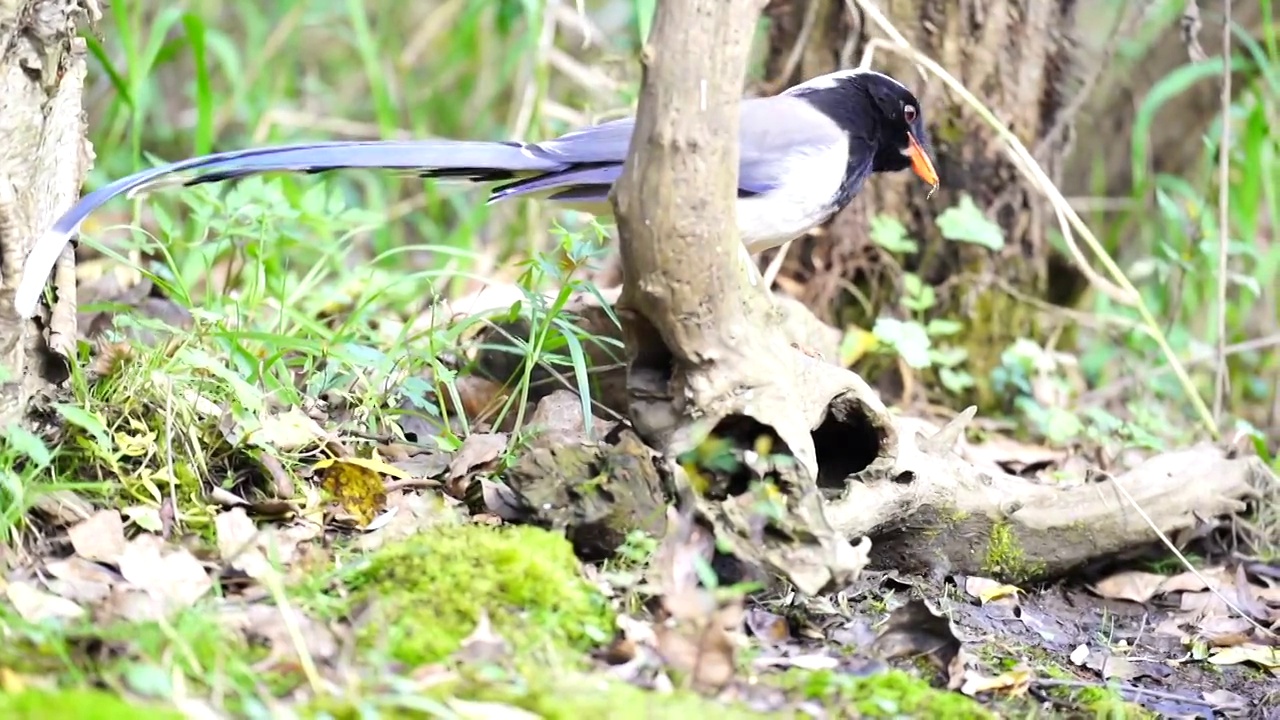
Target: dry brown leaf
x=483, y=645
x=171, y=576
x=81, y=580
x=268, y=623
x=63, y=506
x=700, y=647
x=1132, y=585
x=1115, y=667
x=423, y=465
x=407, y=513
x=237, y=543
x=770, y=628
x=477, y=451
x=914, y=629
x=100, y=537
x=1224, y=631
x=36, y=605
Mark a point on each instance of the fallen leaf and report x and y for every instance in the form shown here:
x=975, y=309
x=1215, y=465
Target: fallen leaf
x=63, y=506
x=1268, y=657
x=356, y=486
x=1015, y=682
x=477, y=450
x=1114, y=667
x=36, y=605
x=483, y=645
x=407, y=513
x=81, y=580
x=1223, y=631
x=146, y=517
x=1132, y=585
x=803, y=662
x=100, y=537
x=423, y=465
x=175, y=578
x=288, y=431
x=770, y=628
x=267, y=622
x=988, y=590
x=914, y=629
x=477, y=710
x=237, y=543
x=1226, y=701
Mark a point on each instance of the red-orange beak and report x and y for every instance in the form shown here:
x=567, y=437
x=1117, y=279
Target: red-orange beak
x=921, y=163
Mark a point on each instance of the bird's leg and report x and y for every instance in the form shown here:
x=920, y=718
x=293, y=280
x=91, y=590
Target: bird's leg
x=753, y=272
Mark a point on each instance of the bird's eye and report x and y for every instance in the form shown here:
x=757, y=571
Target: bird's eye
x=909, y=113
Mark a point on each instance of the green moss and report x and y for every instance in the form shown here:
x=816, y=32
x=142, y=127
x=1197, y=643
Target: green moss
x=76, y=704
x=1005, y=559
x=430, y=590
x=890, y=694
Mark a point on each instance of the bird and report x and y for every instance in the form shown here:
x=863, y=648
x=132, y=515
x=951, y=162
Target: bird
x=803, y=156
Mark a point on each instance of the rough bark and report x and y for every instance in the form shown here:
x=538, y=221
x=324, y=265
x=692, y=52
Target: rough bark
x=43, y=160
x=1050, y=70
x=706, y=355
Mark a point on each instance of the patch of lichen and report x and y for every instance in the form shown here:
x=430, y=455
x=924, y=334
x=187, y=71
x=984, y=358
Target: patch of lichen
x=34, y=704
x=1005, y=559
x=890, y=694
x=428, y=593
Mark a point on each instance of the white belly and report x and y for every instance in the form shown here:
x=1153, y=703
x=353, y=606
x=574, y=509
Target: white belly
x=800, y=203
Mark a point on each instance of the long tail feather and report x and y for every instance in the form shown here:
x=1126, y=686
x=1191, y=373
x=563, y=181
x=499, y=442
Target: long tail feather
x=471, y=160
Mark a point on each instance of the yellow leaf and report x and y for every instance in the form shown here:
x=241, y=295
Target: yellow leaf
x=1268, y=657
x=356, y=486
x=997, y=592
x=375, y=463
x=1014, y=682
x=856, y=343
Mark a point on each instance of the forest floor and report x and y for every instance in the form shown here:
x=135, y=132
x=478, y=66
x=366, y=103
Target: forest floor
x=223, y=553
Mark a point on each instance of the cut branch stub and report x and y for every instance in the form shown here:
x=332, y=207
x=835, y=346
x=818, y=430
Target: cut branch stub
x=706, y=352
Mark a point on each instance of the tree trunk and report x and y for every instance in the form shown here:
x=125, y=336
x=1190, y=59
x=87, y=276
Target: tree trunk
x=707, y=355
x=43, y=161
x=1051, y=72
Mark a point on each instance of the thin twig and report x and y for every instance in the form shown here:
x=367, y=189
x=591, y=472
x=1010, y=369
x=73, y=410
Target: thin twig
x=1221, y=377
x=1084, y=685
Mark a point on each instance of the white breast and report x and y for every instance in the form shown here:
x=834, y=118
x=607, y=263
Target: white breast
x=802, y=201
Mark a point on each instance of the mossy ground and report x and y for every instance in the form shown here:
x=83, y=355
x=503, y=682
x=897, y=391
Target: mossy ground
x=432, y=589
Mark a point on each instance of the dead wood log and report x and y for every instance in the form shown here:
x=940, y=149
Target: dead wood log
x=44, y=157
x=900, y=482
x=929, y=510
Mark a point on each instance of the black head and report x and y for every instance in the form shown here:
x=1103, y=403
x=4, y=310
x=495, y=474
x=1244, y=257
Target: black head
x=878, y=111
